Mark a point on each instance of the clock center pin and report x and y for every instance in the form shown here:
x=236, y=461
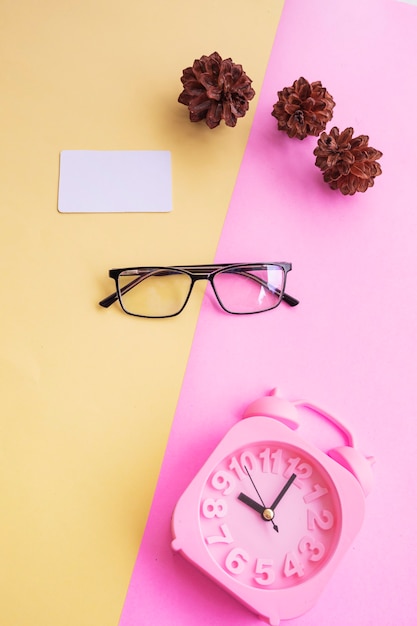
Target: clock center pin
x=268, y=515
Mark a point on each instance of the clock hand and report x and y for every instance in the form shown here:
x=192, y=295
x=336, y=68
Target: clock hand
x=283, y=492
x=252, y=503
x=267, y=514
x=254, y=486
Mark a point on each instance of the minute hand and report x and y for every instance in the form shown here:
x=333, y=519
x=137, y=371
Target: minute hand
x=283, y=491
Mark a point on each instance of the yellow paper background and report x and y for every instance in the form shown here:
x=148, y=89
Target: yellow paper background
x=87, y=394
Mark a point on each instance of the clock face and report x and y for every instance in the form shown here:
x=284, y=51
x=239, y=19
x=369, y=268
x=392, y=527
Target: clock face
x=269, y=515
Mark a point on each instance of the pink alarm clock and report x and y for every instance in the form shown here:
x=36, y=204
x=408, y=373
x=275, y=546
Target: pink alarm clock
x=269, y=515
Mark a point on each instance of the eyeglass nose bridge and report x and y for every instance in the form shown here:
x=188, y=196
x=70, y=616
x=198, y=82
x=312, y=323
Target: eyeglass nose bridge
x=200, y=275
x=207, y=273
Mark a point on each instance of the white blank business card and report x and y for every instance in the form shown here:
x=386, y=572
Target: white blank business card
x=115, y=181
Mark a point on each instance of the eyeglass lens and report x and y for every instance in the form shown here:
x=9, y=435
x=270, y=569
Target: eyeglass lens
x=249, y=290
x=239, y=290
x=156, y=295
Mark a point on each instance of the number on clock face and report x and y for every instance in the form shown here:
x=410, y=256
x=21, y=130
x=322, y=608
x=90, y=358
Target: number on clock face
x=241, y=539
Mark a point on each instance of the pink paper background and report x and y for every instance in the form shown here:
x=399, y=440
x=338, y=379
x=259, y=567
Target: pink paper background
x=350, y=346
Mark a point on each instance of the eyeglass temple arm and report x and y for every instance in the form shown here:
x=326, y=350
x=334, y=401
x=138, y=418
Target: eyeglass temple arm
x=112, y=298
x=290, y=299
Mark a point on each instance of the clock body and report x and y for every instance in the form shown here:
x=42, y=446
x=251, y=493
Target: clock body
x=268, y=517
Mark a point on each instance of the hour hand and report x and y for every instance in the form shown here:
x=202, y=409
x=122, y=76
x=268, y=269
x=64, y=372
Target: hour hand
x=252, y=503
x=266, y=514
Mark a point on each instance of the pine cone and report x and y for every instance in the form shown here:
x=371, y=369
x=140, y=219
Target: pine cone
x=347, y=162
x=215, y=90
x=303, y=109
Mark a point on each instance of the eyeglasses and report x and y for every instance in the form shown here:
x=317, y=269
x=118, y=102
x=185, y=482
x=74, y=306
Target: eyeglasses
x=240, y=288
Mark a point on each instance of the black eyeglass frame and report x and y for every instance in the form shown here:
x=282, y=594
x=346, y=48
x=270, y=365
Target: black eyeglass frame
x=196, y=272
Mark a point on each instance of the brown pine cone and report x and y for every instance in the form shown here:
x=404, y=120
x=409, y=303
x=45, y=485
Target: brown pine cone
x=347, y=162
x=215, y=90
x=303, y=109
